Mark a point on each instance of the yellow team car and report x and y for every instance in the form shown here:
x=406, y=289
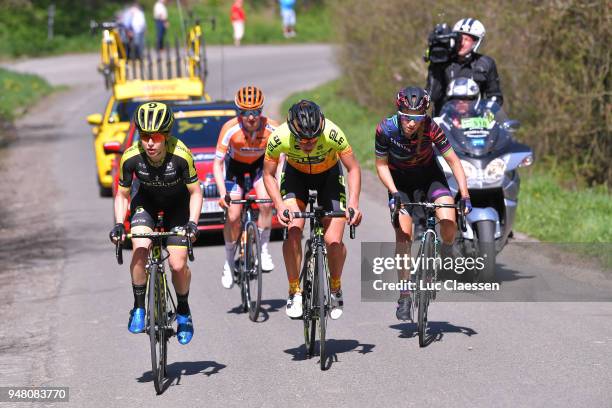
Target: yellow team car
x=115, y=121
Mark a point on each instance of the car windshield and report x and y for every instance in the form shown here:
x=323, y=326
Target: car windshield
x=199, y=128
x=123, y=111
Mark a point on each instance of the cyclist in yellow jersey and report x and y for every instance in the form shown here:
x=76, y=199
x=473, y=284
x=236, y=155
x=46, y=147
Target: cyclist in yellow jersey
x=168, y=182
x=314, y=147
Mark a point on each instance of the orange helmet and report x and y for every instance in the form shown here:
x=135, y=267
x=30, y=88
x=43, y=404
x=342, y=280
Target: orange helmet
x=249, y=97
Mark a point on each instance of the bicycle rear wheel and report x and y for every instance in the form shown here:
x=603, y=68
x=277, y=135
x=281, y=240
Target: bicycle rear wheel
x=253, y=275
x=425, y=279
x=157, y=327
x=323, y=298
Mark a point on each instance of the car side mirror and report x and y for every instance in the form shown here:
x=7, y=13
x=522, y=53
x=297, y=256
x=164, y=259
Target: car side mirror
x=94, y=119
x=512, y=125
x=113, y=147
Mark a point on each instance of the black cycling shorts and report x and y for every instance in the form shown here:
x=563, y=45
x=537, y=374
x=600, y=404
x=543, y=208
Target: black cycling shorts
x=144, y=210
x=329, y=185
x=235, y=171
x=420, y=184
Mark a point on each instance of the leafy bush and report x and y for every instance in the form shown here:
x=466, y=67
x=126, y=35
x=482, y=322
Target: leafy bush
x=553, y=58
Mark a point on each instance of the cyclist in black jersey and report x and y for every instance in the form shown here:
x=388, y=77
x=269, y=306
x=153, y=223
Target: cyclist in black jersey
x=406, y=165
x=166, y=180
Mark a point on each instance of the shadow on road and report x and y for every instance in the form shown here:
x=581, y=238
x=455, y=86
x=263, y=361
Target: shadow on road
x=267, y=307
x=436, y=330
x=176, y=371
x=332, y=349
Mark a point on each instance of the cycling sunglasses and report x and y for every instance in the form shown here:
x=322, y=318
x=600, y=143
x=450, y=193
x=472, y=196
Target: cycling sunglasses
x=304, y=141
x=157, y=137
x=247, y=113
x=409, y=116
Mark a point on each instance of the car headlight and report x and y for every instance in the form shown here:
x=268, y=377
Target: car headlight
x=468, y=169
x=495, y=170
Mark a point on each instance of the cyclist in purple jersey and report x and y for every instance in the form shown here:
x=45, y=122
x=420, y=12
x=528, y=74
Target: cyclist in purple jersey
x=406, y=165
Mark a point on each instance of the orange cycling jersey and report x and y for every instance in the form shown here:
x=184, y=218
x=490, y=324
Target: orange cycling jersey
x=243, y=146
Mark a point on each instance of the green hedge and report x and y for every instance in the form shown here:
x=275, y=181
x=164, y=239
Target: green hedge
x=553, y=58
x=547, y=210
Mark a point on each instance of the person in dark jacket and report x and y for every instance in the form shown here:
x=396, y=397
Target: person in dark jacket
x=468, y=64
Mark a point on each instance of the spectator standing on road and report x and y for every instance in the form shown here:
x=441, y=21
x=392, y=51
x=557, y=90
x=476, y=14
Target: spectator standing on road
x=287, y=9
x=136, y=25
x=160, y=15
x=237, y=17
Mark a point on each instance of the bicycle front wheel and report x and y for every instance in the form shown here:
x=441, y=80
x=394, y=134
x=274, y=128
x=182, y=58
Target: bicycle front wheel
x=323, y=298
x=156, y=321
x=425, y=281
x=308, y=295
x=253, y=276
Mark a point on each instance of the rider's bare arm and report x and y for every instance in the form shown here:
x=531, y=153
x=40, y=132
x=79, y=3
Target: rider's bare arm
x=354, y=183
x=455, y=164
x=195, y=201
x=122, y=203
x=384, y=174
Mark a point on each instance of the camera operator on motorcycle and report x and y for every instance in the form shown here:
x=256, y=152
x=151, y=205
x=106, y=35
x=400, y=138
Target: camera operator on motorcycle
x=453, y=55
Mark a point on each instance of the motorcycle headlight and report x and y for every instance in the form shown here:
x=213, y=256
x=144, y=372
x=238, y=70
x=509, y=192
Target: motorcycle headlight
x=495, y=170
x=468, y=169
x=526, y=162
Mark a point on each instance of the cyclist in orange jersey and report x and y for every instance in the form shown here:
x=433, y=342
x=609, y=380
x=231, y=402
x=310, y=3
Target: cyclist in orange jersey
x=240, y=150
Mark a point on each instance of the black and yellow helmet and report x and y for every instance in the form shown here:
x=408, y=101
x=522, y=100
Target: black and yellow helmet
x=154, y=117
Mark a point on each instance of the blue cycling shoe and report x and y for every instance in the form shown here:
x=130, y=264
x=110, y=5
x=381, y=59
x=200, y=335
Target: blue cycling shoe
x=184, y=331
x=137, y=320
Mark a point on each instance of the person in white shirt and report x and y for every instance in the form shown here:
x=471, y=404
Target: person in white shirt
x=138, y=27
x=160, y=15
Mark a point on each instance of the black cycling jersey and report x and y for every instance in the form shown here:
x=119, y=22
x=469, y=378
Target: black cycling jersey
x=167, y=180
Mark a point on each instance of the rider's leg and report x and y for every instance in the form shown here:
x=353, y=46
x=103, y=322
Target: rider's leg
x=292, y=247
x=448, y=226
x=336, y=250
x=264, y=221
x=403, y=245
x=181, y=279
x=231, y=229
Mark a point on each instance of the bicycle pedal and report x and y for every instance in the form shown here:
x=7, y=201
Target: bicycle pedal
x=297, y=318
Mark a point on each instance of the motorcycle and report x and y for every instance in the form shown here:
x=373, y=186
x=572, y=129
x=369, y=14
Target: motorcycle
x=483, y=139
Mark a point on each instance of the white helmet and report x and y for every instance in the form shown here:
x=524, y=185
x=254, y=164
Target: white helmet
x=463, y=88
x=471, y=27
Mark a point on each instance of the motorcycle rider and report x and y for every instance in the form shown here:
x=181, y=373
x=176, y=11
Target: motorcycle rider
x=466, y=63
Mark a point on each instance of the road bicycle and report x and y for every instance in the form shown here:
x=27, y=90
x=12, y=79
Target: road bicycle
x=247, y=253
x=114, y=57
x=161, y=308
x=314, y=277
x=423, y=291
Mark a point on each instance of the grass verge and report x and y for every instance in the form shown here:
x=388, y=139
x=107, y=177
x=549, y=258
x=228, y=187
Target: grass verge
x=19, y=91
x=263, y=26
x=547, y=211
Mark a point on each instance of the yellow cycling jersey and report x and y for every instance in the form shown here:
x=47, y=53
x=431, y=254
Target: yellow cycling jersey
x=330, y=145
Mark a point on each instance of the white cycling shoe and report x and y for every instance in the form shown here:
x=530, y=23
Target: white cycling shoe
x=337, y=304
x=227, y=279
x=294, y=306
x=266, y=261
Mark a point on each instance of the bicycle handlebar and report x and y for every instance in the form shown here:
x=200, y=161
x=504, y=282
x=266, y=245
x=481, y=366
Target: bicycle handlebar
x=459, y=207
x=315, y=214
x=154, y=235
x=252, y=200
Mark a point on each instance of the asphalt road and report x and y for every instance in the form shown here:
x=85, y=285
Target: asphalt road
x=66, y=308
